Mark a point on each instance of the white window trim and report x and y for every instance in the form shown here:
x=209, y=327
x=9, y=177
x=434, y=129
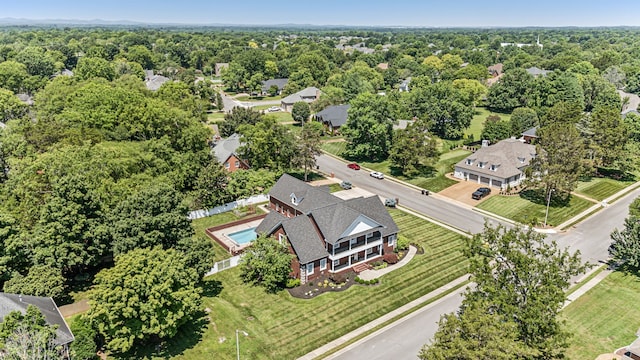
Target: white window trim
x=237, y=163
x=312, y=268
x=227, y=165
x=323, y=264
x=392, y=240
x=281, y=237
x=369, y=235
x=353, y=241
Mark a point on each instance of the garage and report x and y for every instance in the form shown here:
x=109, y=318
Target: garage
x=496, y=183
x=473, y=177
x=484, y=180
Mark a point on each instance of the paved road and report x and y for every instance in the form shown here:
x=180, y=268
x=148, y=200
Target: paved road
x=462, y=218
x=404, y=338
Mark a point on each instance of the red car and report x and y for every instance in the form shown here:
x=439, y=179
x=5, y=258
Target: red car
x=353, y=166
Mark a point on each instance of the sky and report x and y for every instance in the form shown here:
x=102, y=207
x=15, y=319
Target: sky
x=414, y=13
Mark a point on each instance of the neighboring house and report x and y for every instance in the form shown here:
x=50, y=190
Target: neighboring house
x=307, y=95
x=530, y=136
x=333, y=117
x=631, y=106
x=631, y=352
x=404, y=86
x=226, y=151
x=280, y=83
x=153, y=82
x=218, y=68
x=402, y=124
x=498, y=165
x=25, y=98
x=496, y=70
x=48, y=308
x=383, y=66
x=537, y=71
x=325, y=233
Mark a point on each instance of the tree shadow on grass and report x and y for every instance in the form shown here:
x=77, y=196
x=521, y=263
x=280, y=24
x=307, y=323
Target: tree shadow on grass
x=211, y=288
x=538, y=196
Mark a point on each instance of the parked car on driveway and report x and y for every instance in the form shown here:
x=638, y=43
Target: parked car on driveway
x=480, y=193
x=353, y=166
x=346, y=185
x=377, y=175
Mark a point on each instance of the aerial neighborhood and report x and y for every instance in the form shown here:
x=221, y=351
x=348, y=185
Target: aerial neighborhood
x=295, y=192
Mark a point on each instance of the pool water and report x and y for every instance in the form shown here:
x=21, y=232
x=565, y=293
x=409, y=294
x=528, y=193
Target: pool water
x=244, y=236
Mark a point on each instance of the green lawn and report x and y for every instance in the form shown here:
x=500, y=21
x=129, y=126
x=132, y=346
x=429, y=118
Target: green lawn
x=335, y=148
x=281, y=116
x=283, y=327
x=605, y=318
x=215, y=117
x=601, y=188
x=522, y=210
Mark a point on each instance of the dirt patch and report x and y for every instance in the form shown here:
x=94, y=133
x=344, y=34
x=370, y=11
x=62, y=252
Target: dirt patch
x=75, y=308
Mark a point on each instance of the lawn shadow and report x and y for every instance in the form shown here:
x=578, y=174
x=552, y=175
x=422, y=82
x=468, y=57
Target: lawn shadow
x=211, y=288
x=538, y=196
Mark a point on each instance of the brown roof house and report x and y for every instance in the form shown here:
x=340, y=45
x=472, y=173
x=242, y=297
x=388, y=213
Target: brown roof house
x=48, y=308
x=326, y=234
x=226, y=151
x=307, y=95
x=498, y=165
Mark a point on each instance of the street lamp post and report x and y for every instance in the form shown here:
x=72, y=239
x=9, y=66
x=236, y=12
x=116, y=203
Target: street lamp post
x=238, y=342
x=546, y=214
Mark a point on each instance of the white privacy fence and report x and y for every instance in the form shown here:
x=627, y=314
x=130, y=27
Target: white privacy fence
x=224, y=265
x=255, y=199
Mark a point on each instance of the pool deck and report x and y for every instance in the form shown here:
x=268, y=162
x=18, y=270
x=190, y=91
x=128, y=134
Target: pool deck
x=220, y=233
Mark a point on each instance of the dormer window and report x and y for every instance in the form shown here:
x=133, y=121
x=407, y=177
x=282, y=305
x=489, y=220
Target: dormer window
x=481, y=164
x=294, y=199
x=469, y=161
x=521, y=159
x=493, y=167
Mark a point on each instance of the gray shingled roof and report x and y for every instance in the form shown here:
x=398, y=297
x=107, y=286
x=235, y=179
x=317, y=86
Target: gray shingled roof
x=302, y=95
x=531, y=132
x=304, y=239
x=373, y=208
x=308, y=197
x=335, y=115
x=15, y=302
x=535, y=71
x=506, y=155
x=280, y=83
x=155, y=82
x=226, y=147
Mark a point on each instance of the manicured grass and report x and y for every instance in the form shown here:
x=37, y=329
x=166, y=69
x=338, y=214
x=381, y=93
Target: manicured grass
x=601, y=188
x=605, y=318
x=283, y=327
x=335, y=148
x=215, y=117
x=335, y=187
x=522, y=210
x=281, y=116
x=200, y=225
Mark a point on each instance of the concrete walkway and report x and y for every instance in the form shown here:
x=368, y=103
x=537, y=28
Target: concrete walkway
x=374, y=274
x=381, y=320
x=588, y=286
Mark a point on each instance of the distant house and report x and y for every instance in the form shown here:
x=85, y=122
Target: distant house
x=537, y=71
x=48, y=308
x=326, y=234
x=307, y=95
x=404, y=85
x=218, y=68
x=632, y=104
x=154, y=82
x=383, y=66
x=496, y=70
x=226, y=152
x=529, y=136
x=280, y=83
x=498, y=165
x=333, y=117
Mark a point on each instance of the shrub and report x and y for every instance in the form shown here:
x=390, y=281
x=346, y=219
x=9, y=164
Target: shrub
x=339, y=278
x=291, y=283
x=402, y=244
x=390, y=258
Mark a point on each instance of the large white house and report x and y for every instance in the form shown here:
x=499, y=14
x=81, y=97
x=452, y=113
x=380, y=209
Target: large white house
x=498, y=165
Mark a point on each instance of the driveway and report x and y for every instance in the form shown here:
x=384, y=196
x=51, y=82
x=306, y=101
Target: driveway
x=462, y=192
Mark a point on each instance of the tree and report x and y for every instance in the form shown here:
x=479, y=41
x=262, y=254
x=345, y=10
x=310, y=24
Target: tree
x=609, y=135
x=211, y=186
x=245, y=183
x=512, y=91
x=12, y=75
x=523, y=119
x=369, y=127
x=308, y=146
x=267, y=145
x=413, y=147
x=147, y=295
x=42, y=280
x=523, y=277
x=495, y=129
x=476, y=332
x=11, y=107
x=625, y=244
x=266, y=263
x=89, y=68
x=301, y=112
x=28, y=336
x=152, y=216
x=237, y=117
x=198, y=254
x=83, y=346
x=219, y=102
x=37, y=61
x=560, y=159
x=471, y=91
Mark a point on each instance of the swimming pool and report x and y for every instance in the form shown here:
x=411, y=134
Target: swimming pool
x=244, y=236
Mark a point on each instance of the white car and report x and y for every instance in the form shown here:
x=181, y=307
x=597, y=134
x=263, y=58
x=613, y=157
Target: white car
x=273, y=109
x=377, y=175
